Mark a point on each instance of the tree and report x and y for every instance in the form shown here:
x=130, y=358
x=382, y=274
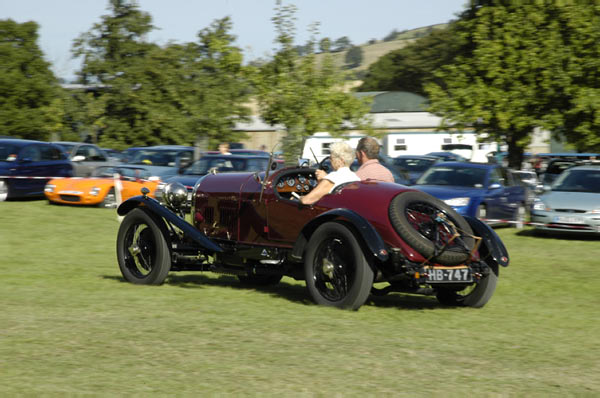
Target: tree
x=325, y=45
x=30, y=97
x=517, y=71
x=354, y=57
x=411, y=67
x=160, y=95
x=341, y=44
x=301, y=94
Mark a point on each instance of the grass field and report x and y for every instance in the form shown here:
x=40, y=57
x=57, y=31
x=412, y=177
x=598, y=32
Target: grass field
x=69, y=324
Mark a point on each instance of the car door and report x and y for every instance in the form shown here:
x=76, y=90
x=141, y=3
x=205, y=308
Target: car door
x=496, y=197
x=31, y=168
x=515, y=193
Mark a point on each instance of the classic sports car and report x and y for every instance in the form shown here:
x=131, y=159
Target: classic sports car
x=252, y=225
x=100, y=189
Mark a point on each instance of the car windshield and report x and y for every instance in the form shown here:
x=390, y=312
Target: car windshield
x=454, y=176
x=8, y=152
x=578, y=181
x=226, y=164
x=67, y=147
x=128, y=173
x=153, y=157
x=413, y=164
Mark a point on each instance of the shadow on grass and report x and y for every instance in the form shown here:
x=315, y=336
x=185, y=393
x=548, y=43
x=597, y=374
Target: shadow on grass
x=574, y=236
x=295, y=293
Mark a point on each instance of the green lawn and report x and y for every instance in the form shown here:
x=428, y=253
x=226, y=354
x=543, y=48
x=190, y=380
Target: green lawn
x=69, y=324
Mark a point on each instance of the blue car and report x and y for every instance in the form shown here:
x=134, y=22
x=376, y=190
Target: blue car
x=483, y=190
x=26, y=166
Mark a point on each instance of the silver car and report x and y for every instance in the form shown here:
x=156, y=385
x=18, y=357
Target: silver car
x=572, y=204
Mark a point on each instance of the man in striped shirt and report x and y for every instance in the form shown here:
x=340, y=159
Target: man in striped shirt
x=367, y=153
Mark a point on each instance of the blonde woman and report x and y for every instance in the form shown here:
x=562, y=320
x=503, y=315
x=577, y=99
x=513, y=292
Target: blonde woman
x=342, y=156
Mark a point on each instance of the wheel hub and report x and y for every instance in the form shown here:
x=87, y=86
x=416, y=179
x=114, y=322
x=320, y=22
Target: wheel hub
x=328, y=268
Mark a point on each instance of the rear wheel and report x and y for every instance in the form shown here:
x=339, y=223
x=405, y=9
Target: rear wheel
x=142, y=250
x=336, y=270
x=432, y=228
x=476, y=295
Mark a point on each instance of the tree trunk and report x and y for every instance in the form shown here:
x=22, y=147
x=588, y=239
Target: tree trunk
x=515, y=151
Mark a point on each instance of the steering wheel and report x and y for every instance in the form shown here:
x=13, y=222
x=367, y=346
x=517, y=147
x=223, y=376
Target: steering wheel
x=325, y=167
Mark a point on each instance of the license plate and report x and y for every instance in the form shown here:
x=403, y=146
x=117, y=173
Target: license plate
x=448, y=275
x=568, y=220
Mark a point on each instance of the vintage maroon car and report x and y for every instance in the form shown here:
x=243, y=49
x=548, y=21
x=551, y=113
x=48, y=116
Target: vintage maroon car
x=365, y=237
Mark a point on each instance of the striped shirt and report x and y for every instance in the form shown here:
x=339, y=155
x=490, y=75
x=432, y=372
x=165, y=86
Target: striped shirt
x=373, y=170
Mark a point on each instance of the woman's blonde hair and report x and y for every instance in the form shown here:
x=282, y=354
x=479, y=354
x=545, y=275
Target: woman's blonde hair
x=342, y=151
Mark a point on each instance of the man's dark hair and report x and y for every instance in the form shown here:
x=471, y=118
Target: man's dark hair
x=369, y=146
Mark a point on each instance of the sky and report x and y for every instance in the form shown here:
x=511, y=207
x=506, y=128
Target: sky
x=179, y=21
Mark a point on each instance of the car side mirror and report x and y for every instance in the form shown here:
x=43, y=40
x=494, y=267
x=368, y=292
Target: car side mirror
x=495, y=186
x=78, y=158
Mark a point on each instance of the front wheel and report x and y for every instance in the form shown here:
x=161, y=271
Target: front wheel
x=476, y=295
x=142, y=250
x=336, y=270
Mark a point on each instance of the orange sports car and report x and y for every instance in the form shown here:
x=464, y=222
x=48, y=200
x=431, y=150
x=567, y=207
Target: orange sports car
x=101, y=188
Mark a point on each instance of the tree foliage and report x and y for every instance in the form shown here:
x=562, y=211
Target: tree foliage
x=521, y=67
x=154, y=95
x=301, y=94
x=411, y=67
x=354, y=57
x=30, y=97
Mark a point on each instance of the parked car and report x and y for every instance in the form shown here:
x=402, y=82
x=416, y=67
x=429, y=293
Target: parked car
x=448, y=156
x=572, y=204
x=26, y=166
x=483, y=190
x=251, y=225
x=84, y=157
x=414, y=165
x=554, y=168
x=101, y=188
x=163, y=160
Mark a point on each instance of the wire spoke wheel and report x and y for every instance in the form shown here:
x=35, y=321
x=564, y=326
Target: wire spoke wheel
x=336, y=271
x=142, y=251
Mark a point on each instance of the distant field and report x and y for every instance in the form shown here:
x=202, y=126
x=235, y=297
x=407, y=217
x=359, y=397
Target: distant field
x=372, y=52
x=69, y=324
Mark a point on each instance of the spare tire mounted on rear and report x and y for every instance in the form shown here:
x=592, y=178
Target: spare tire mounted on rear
x=432, y=228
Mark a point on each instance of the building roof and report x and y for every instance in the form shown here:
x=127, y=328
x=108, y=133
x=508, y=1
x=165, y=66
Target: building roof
x=395, y=101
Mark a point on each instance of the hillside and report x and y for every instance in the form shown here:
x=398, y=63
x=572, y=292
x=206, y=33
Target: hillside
x=372, y=52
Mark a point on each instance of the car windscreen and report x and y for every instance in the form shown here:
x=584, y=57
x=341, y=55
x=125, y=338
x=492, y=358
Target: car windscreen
x=454, y=176
x=578, y=181
x=155, y=157
x=226, y=164
x=66, y=147
x=419, y=165
x=8, y=152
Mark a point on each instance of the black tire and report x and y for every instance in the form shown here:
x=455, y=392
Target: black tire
x=259, y=280
x=110, y=200
x=336, y=270
x=414, y=216
x=142, y=250
x=476, y=295
x=4, y=191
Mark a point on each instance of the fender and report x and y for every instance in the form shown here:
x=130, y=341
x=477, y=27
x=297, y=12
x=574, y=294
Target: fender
x=154, y=206
x=368, y=234
x=490, y=241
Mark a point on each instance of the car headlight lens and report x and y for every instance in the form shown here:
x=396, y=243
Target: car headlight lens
x=539, y=205
x=457, y=202
x=175, y=194
x=49, y=188
x=94, y=191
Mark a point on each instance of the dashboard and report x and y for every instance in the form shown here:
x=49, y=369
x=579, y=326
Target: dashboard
x=300, y=183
